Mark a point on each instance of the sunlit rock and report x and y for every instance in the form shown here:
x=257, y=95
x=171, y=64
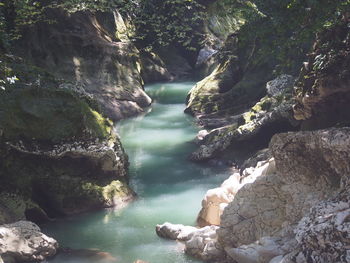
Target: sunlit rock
x=216, y=200
x=175, y=231
x=23, y=241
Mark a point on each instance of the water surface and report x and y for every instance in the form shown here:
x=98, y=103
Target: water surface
x=170, y=188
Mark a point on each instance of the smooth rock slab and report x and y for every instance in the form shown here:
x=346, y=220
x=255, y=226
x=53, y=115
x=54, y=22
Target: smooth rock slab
x=23, y=241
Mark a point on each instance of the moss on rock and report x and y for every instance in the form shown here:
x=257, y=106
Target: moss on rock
x=59, y=153
x=53, y=115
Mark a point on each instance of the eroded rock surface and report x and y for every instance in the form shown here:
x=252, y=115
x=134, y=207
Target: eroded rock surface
x=323, y=86
x=58, y=154
x=22, y=242
x=83, y=48
x=291, y=209
x=216, y=200
x=272, y=114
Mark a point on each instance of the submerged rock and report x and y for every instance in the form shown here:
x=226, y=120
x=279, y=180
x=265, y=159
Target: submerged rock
x=91, y=255
x=22, y=242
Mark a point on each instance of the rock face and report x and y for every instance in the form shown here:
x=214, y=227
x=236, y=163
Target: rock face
x=219, y=91
x=323, y=235
x=272, y=114
x=323, y=86
x=292, y=209
x=83, y=48
x=58, y=154
x=216, y=200
x=311, y=163
x=22, y=242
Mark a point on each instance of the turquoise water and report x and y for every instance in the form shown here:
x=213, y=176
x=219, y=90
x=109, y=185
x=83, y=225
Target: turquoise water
x=169, y=187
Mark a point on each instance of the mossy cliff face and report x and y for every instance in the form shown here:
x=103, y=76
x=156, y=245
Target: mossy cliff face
x=252, y=129
x=322, y=90
x=237, y=82
x=58, y=154
x=87, y=48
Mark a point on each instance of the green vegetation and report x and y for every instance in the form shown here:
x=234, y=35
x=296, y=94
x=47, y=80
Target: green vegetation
x=50, y=115
x=153, y=23
x=283, y=29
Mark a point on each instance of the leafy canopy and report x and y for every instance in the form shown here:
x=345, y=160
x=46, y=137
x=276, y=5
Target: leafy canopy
x=153, y=22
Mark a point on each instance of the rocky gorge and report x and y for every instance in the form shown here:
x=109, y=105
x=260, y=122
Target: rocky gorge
x=274, y=137
x=288, y=203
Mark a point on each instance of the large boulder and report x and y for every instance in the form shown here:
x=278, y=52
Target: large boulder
x=257, y=210
x=216, y=200
x=23, y=242
x=292, y=209
x=58, y=154
x=199, y=242
x=310, y=167
x=175, y=231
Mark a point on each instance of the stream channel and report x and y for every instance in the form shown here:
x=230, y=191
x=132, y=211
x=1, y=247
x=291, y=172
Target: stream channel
x=169, y=187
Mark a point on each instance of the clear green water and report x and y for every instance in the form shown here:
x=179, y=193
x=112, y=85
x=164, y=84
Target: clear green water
x=170, y=188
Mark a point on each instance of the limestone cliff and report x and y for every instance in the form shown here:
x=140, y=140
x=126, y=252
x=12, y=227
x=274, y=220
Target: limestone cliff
x=294, y=207
x=58, y=154
x=83, y=48
x=291, y=209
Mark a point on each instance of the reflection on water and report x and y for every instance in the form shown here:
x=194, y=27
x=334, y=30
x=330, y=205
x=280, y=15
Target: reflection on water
x=170, y=188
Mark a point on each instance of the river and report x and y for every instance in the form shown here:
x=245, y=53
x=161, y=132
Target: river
x=169, y=187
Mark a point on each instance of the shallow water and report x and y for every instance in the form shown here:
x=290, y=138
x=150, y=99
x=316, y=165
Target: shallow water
x=170, y=188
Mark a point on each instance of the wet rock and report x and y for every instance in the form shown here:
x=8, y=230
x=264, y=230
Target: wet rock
x=175, y=231
x=23, y=241
x=201, y=134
